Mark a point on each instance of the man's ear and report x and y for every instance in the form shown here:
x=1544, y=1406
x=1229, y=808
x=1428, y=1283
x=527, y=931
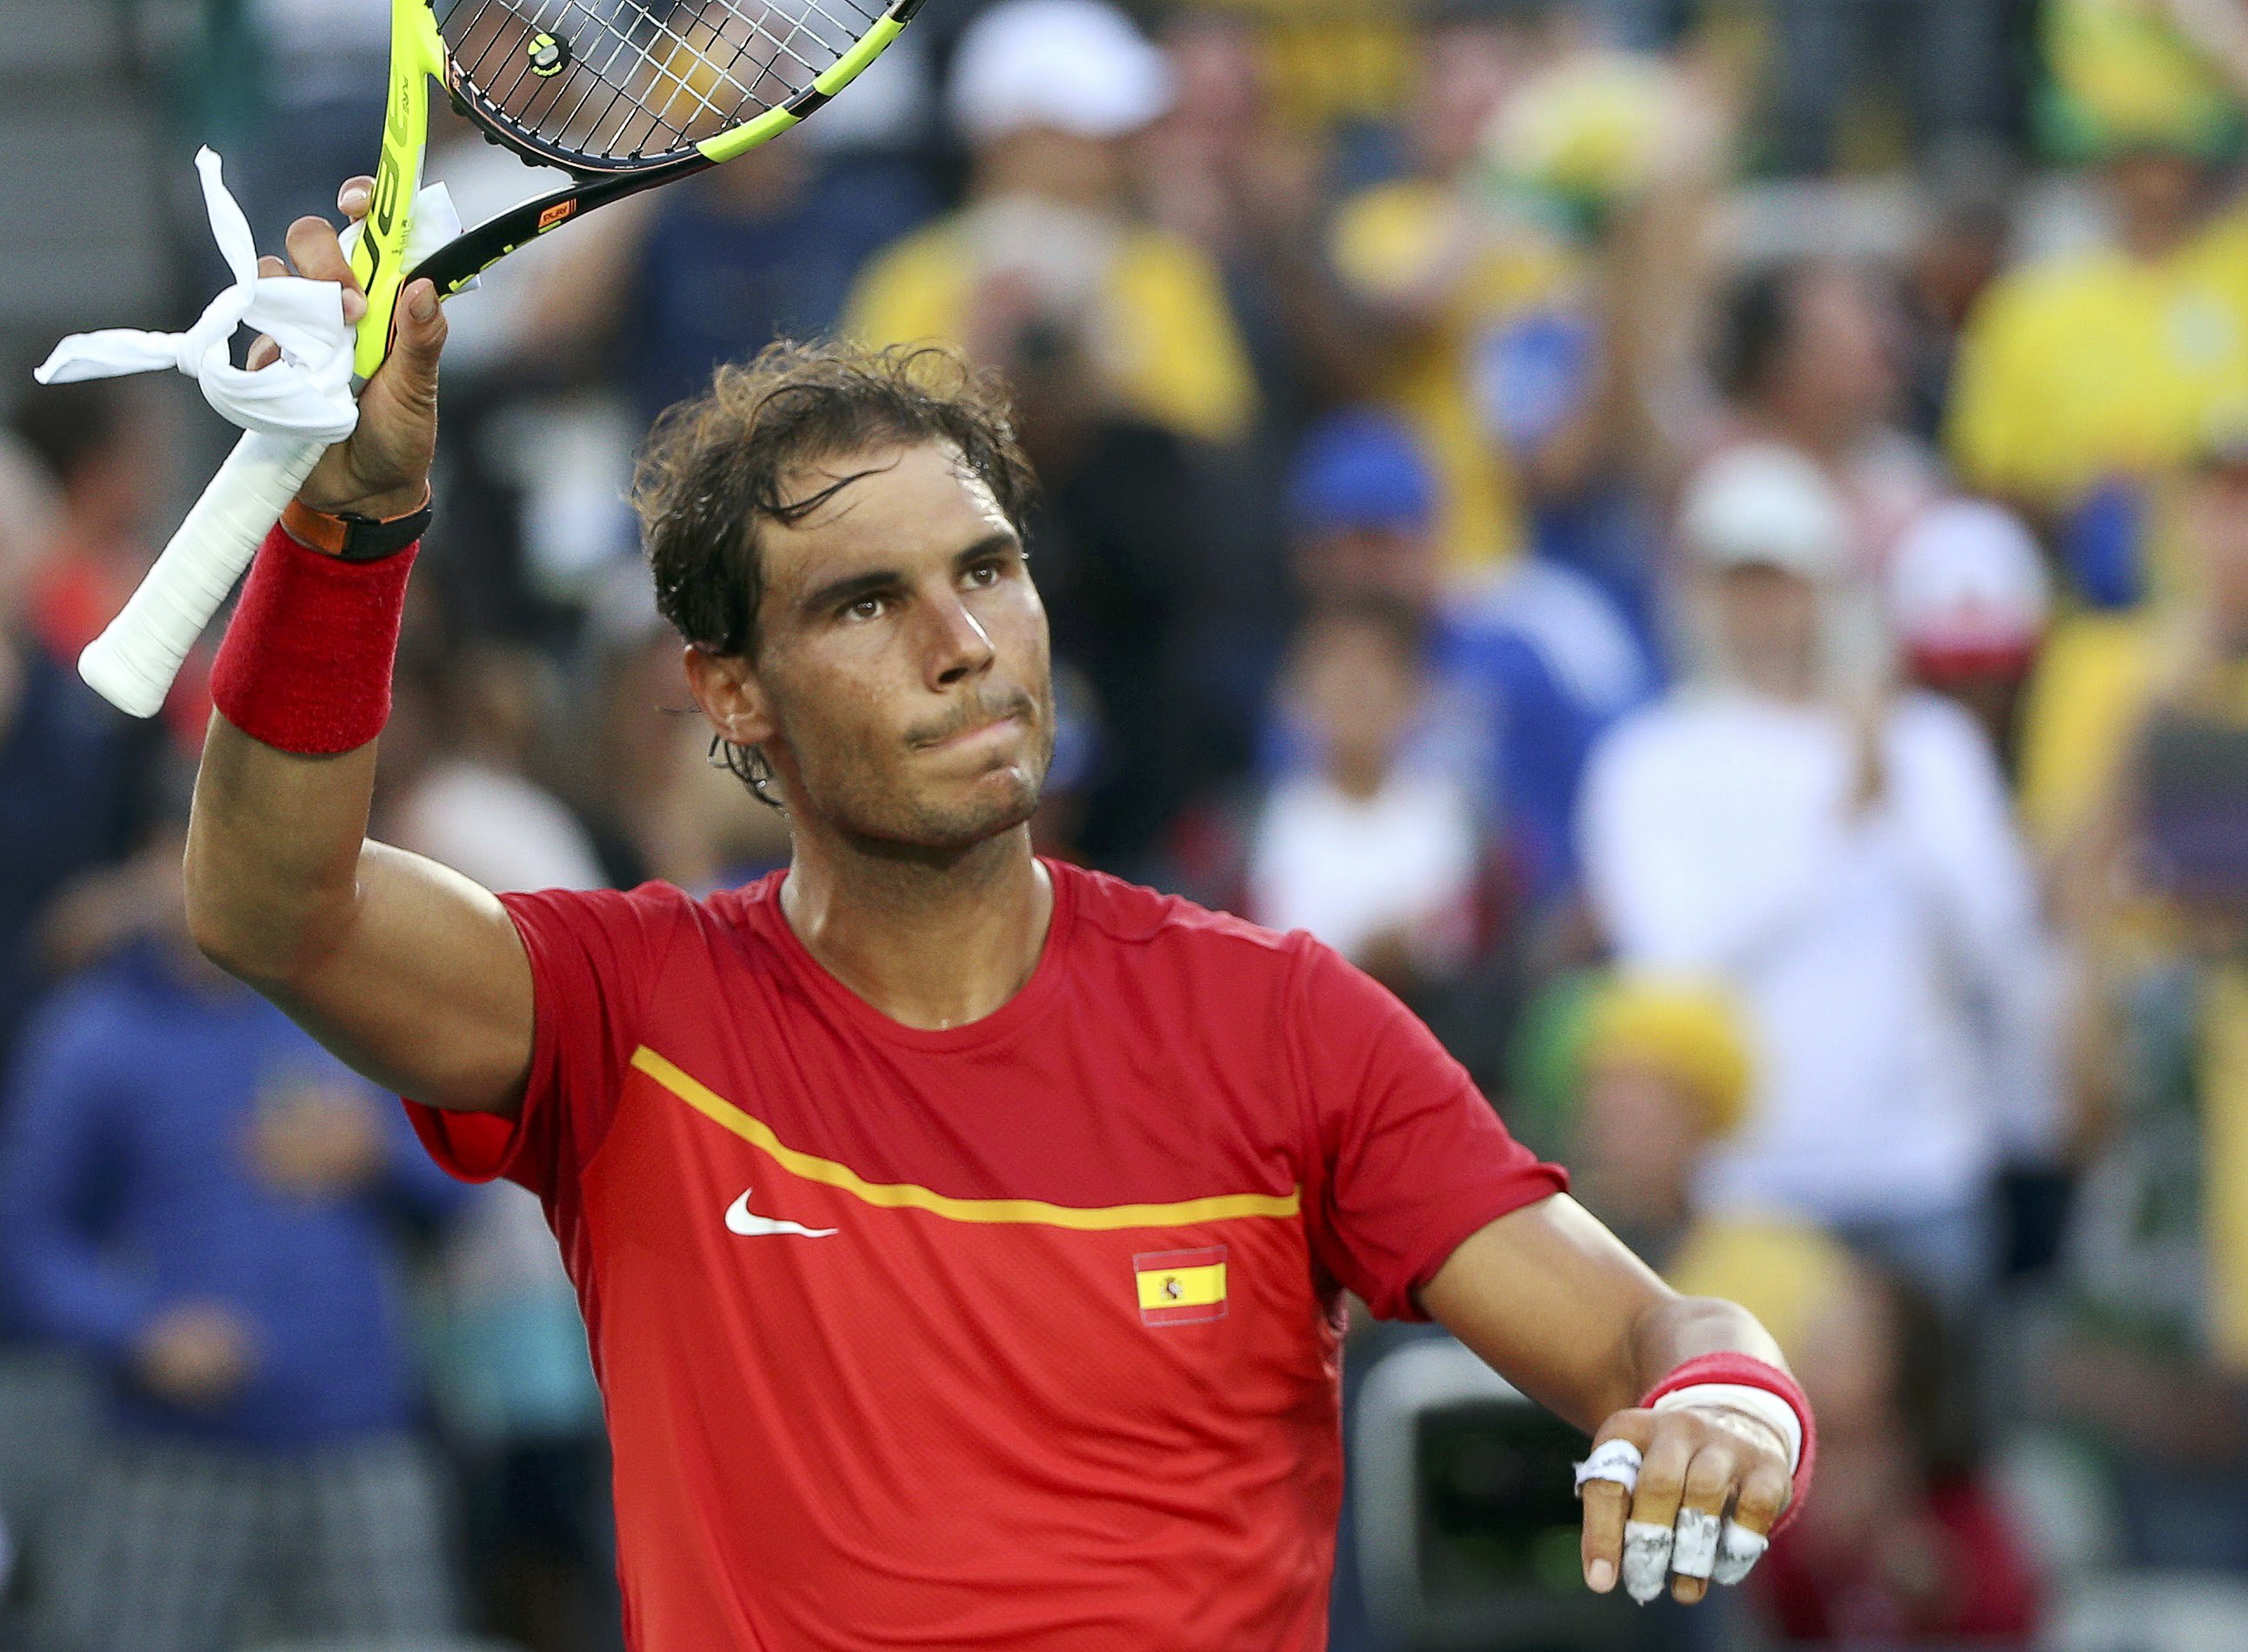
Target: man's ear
x=727, y=689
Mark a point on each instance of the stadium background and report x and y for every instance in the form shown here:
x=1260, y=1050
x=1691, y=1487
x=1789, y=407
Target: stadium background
x=1426, y=401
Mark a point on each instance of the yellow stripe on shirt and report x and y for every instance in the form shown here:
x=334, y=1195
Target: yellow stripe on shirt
x=905, y=1195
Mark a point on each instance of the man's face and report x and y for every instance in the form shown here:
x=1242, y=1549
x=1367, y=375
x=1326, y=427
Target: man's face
x=901, y=684
x=1839, y=372
x=1770, y=620
x=1395, y=564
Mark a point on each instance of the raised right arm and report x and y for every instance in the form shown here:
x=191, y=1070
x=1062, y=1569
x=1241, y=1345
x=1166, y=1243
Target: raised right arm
x=407, y=971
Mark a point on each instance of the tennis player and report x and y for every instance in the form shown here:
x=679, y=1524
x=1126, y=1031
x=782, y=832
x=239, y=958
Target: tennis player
x=961, y=1235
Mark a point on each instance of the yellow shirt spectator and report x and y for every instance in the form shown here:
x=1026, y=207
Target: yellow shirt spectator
x=1159, y=324
x=2076, y=370
x=1395, y=244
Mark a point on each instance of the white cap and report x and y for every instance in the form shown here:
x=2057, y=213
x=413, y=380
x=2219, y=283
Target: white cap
x=1765, y=505
x=1967, y=575
x=1077, y=66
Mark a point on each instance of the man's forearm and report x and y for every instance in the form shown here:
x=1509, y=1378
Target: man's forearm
x=273, y=851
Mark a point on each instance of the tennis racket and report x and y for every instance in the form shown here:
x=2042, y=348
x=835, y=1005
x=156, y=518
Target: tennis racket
x=623, y=95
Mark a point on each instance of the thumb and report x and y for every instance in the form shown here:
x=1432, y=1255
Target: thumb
x=419, y=338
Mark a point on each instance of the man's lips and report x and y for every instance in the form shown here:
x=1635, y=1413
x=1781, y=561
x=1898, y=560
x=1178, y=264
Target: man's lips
x=1017, y=711
x=1006, y=722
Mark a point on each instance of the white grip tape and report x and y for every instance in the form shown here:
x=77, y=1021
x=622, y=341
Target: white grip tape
x=1646, y=1558
x=1760, y=1403
x=131, y=663
x=1738, y=1550
x=1617, y=1461
x=1694, y=1548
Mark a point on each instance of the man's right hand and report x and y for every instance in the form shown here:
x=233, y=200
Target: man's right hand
x=381, y=469
x=196, y=1356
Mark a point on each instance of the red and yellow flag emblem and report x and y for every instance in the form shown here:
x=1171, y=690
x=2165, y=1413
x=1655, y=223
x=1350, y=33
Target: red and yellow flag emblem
x=1179, y=1286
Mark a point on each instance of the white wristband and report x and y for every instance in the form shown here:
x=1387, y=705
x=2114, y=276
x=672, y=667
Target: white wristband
x=1761, y=1404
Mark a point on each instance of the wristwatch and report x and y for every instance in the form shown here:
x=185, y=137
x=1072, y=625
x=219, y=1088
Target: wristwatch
x=355, y=539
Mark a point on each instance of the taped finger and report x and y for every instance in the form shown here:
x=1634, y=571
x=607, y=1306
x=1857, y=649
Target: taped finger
x=1738, y=1550
x=1694, y=1548
x=1646, y=1558
x=1617, y=1461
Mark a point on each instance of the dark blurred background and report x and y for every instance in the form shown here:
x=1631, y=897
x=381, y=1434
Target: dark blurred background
x=1703, y=542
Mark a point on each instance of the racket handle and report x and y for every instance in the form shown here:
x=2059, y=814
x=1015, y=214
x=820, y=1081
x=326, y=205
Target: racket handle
x=131, y=663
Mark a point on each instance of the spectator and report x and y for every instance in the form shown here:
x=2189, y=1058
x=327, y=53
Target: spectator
x=2101, y=673
x=1584, y=389
x=1967, y=597
x=1439, y=272
x=1905, y=1544
x=2085, y=378
x=1531, y=662
x=1124, y=559
x=1959, y=250
x=1809, y=358
x=2139, y=745
x=1844, y=861
x=69, y=781
x=1662, y=1070
x=2149, y=1359
x=201, y=1196
x=1048, y=95
x=1219, y=169
x=1384, y=861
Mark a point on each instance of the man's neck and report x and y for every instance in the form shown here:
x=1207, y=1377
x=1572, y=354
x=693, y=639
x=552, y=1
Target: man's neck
x=931, y=942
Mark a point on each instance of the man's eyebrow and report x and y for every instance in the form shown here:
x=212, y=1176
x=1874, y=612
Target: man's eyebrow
x=851, y=587
x=1003, y=540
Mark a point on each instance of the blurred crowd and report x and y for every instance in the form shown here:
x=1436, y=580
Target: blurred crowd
x=1705, y=545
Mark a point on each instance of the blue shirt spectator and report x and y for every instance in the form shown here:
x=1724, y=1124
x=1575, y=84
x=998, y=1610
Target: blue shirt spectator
x=173, y=1140
x=1530, y=663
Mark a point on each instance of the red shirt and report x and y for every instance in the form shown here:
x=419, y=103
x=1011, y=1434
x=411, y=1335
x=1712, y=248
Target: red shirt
x=1021, y=1334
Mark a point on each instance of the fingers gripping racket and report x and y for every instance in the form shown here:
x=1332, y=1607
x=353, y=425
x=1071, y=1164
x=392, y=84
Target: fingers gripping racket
x=621, y=94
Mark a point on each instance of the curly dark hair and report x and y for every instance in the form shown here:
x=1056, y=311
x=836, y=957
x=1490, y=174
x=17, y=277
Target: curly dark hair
x=715, y=467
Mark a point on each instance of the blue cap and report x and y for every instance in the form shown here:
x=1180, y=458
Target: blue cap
x=1360, y=468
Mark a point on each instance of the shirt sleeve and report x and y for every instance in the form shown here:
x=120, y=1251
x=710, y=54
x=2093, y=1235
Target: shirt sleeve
x=595, y=957
x=1415, y=1159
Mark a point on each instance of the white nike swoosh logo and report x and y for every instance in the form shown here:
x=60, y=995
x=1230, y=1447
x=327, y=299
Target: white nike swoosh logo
x=741, y=1219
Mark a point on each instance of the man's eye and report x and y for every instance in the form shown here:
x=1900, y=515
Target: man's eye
x=865, y=608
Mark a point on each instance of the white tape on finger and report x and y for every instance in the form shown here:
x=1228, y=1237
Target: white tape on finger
x=1617, y=1462
x=1694, y=1551
x=1646, y=1558
x=1738, y=1550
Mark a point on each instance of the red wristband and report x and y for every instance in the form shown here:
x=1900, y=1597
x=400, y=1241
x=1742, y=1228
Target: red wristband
x=1751, y=1373
x=306, y=665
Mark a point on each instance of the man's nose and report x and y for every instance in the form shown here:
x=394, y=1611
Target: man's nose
x=959, y=647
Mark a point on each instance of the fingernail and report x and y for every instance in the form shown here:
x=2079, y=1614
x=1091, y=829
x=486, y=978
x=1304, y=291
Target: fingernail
x=351, y=200
x=1602, y=1576
x=424, y=304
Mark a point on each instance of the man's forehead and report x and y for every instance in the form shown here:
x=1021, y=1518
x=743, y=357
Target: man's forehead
x=886, y=482
x=885, y=510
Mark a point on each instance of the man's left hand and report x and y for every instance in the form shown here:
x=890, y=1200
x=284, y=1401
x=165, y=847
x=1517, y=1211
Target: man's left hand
x=1711, y=1483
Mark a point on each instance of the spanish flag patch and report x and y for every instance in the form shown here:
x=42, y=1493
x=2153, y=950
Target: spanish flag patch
x=1179, y=1286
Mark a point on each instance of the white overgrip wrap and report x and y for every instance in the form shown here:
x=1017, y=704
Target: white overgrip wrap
x=294, y=410
x=133, y=663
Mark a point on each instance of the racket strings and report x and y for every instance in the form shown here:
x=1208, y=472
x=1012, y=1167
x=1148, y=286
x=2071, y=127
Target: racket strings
x=625, y=81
